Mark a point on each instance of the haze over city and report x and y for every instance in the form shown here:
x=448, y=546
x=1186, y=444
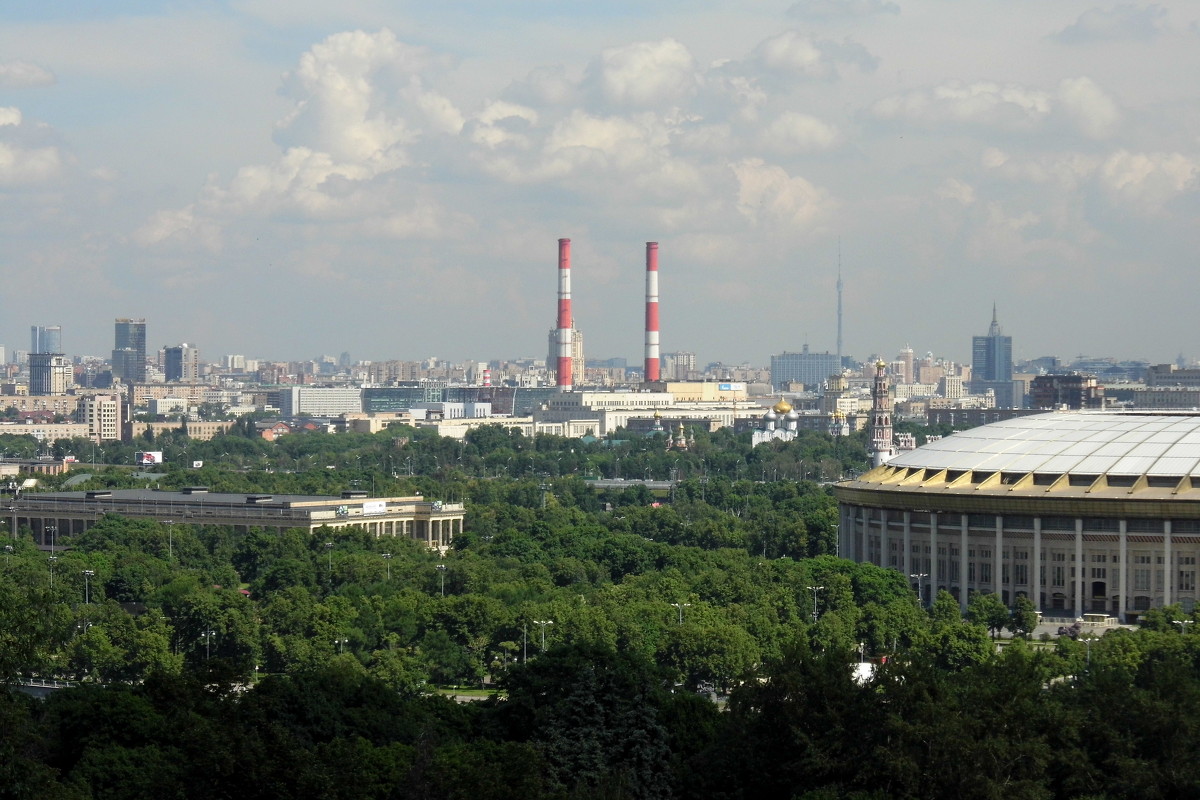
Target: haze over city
x=290, y=178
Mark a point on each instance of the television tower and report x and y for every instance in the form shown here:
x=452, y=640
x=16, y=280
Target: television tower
x=839, y=309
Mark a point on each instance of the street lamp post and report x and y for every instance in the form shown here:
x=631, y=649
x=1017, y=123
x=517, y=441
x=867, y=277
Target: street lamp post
x=88, y=574
x=329, y=550
x=170, y=523
x=53, y=560
x=814, y=590
x=919, y=577
x=543, y=623
x=339, y=643
x=53, y=537
x=387, y=559
x=207, y=637
x=441, y=568
x=8, y=551
x=680, y=607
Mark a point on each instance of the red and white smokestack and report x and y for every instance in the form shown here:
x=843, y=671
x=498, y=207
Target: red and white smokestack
x=652, y=361
x=564, y=315
x=487, y=378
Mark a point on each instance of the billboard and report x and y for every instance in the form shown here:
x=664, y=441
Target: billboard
x=147, y=457
x=374, y=507
x=731, y=387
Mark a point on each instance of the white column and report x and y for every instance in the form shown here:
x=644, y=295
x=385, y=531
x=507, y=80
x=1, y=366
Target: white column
x=861, y=535
x=1168, y=572
x=908, y=568
x=998, y=559
x=962, y=565
x=1036, y=581
x=1080, y=568
x=843, y=546
x=933, y=555
x=883, y=538
x=1124, y=556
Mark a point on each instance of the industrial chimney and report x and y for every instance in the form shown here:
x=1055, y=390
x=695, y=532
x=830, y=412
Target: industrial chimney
x=652, y=360
x=564, y=315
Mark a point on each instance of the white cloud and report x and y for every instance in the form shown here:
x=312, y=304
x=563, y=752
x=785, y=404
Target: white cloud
x=1064, y=172
x=21, y=166
x=797, y=54
x=1147, y=181
x=982, y=103
x=1094, y=112
x=346, y=91
x=582, y=139
x=795, y=132
x=768, y=194
x=644, y=74
x=23, y=74
x=178, y=226
x=837, y=9
x=956, y=190
x=24, y=161
x=502, y=124
x=544, y=86
x=1122, y=21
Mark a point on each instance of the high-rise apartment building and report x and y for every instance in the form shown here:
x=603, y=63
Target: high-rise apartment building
x=992, y=365
x=678, y=366
x=50, y=374
x=129, y=350
x=45, y=339
x=906, y=374
x=577, y=362
x=182, y=363
x=102, y=414
x=810, y=369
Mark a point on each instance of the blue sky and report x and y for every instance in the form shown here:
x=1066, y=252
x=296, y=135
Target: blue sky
x=289, y=178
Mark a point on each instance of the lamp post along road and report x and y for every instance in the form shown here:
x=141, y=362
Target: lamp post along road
x=441, y=568
x=88, y=574
x=387, y=559
x=814, y=590
x=680, y=607
x=207, y=637
x=543, y=623
x=53, y=560
x=918, y=577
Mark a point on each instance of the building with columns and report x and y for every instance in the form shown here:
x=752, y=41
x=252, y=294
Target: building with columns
x=1081, y=512
x=53, y=518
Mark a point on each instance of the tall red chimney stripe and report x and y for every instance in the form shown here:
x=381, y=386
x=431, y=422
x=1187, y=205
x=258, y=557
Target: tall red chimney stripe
x=651, y=367
x=564, y=379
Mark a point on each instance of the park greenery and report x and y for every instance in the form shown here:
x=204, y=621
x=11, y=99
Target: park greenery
x=691, y=641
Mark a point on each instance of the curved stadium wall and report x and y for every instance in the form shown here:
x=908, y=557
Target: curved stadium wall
x=1082, y=512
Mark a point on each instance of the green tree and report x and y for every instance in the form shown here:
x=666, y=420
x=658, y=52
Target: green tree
x=1024, y=617
x=989, y=611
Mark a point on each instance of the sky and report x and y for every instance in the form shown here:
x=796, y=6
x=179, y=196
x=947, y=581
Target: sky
x=289, y=178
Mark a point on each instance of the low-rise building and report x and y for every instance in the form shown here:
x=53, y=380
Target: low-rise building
x=432, y=522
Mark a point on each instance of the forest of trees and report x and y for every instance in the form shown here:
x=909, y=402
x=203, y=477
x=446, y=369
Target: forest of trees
x=698, y=644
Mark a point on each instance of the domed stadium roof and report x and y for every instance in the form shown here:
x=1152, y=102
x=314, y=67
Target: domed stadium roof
x=1076, y=443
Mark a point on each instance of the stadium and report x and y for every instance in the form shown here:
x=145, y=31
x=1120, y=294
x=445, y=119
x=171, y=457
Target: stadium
x=1082, y=512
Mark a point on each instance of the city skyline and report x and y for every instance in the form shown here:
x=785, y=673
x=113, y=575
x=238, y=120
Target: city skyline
x=391, y=180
